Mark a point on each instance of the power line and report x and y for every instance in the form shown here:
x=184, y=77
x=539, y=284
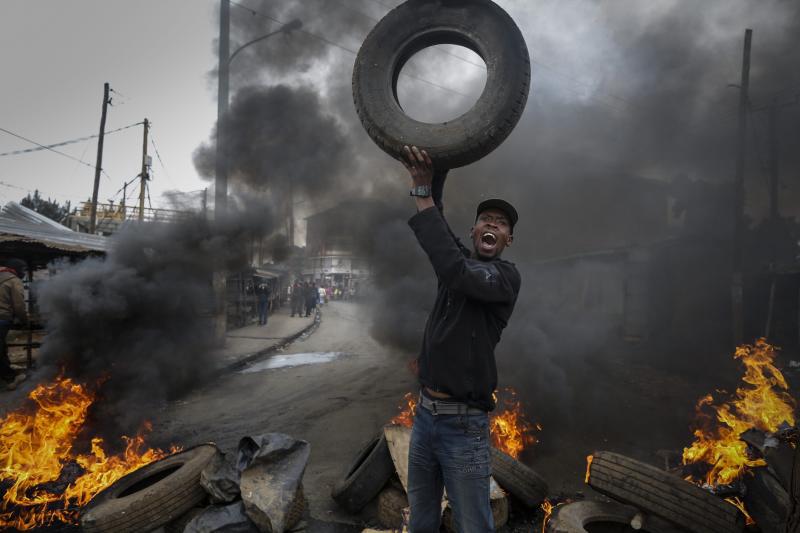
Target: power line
x=158, y=156
x=47, y=148
x=546, y=66
x=82, y=162
x=340, y=46
x=63, y=143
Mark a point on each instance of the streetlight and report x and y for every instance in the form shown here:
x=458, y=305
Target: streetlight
x=219, y=281
x=225, y=59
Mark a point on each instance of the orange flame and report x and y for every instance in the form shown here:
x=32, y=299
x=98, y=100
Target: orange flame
x=510, y=431
x=547, y=507
x=589, y=459
x=35, y=446
x=406, y=416
x=761, y=403
x=739, y=504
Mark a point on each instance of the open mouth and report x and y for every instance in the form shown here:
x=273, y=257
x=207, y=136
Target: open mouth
x=489, y=239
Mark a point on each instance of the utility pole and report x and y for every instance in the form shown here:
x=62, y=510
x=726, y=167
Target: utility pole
x=124, y=196
x=738, y=224
x=221, y=170
x=205, y=201
x=99, y=165
x=145, y=174
x=219, y=281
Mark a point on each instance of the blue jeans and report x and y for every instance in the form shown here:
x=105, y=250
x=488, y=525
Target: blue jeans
x=450, y=451
x=262, y=312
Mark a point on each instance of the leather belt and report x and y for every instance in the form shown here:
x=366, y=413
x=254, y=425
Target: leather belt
x=448, y=407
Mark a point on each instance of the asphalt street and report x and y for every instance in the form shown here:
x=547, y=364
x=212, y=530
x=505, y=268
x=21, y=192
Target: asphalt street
x=335, y=389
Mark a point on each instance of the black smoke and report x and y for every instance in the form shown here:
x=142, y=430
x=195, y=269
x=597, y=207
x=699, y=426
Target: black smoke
x=631, y=119
x=277, y=136
x=136, y=325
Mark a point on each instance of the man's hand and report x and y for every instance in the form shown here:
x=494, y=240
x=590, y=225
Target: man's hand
x=420, y=168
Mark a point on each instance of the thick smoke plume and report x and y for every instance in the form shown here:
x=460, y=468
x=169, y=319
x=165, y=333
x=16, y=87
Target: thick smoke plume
x=631, y=122
x=137, y=323
x=277, y=136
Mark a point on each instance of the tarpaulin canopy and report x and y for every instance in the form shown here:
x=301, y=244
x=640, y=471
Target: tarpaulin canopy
x=26, y=234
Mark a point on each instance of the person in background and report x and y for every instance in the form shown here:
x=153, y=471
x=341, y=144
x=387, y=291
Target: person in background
x=312, y=296
x=12, y=308
x=262, y=293
x=298, y=297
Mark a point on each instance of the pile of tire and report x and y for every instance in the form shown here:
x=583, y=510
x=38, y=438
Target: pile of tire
x=165, y=493
x=647, y=497
x=371, y=475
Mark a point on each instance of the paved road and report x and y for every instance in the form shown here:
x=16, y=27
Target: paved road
x=335, y=405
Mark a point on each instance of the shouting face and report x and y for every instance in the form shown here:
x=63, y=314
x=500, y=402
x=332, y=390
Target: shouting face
x=491, y=233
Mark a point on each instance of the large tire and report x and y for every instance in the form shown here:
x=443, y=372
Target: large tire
x=519, y=480
x=575, y=517
x=479, y=25
x=151, y=496
x=369, y=472
x=660, y=493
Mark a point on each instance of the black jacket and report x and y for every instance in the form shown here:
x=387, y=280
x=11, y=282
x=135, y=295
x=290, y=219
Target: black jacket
x=474, y=301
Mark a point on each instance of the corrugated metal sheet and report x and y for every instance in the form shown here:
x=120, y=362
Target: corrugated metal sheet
x=20, y=224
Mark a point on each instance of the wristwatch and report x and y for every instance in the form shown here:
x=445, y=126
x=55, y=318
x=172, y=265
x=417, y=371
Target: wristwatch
x=423, y=191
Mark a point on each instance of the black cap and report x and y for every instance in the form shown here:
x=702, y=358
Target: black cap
x=502, y=205
x=15, y=264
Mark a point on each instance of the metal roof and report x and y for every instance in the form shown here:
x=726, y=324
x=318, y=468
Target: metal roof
x=20, y=225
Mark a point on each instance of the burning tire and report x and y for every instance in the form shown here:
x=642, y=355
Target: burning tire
x=152, y=496
x=479, y=25
x=519, y=480
x=369, y=472
x=662, y=494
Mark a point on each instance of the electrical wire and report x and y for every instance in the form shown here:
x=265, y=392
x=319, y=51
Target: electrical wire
x=340, y=46
x=160, y=161
x=43, y=147
x=71, y=141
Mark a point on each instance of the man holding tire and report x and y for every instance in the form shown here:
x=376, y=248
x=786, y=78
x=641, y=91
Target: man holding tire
x=456, y=367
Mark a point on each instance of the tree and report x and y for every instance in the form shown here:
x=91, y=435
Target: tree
x=49, y=208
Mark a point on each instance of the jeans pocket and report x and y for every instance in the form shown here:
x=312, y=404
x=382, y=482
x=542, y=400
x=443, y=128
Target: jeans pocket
x=476, y=425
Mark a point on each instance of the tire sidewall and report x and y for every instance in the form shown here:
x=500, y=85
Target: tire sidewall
x=109, y=503
x=479, y=25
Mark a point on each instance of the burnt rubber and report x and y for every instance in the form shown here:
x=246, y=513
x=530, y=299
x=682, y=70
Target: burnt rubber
x=369, y=472
x=151, y=496
x=480, y=25
x=519, y=480
x=391, y=502
x=657, y=492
